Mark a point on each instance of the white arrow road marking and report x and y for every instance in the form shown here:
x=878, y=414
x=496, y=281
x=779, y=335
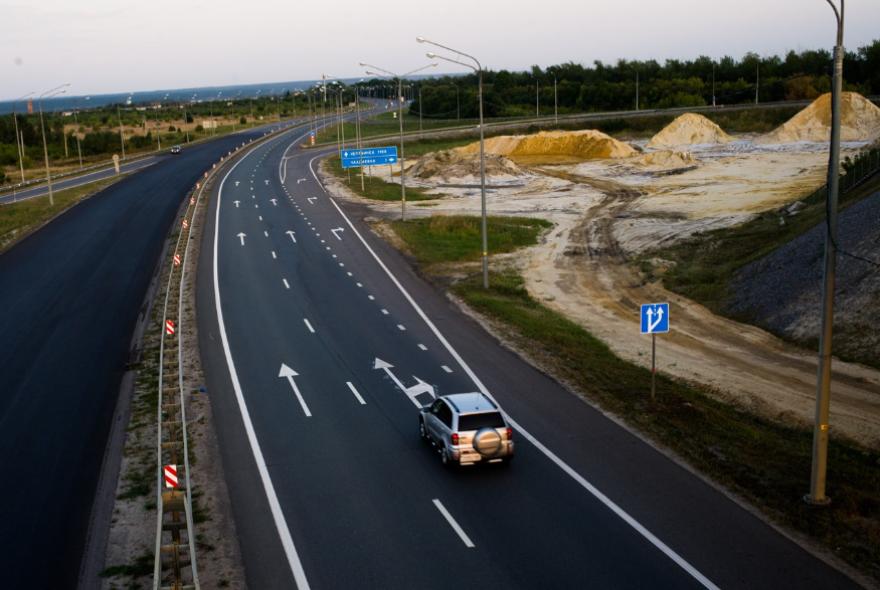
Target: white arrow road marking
x=355, y=392
x=266, y=181
x=411, y=392
x=311, y=200
x=288, y=373
x=292, y=237
x=565, y=467
x=241, y=236
x=336, y=235
x=236, y=183
x=299, y=180
x=455, y=526
x=236, y=203
x=274, y=202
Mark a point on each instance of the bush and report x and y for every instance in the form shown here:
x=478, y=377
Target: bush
x=172, y=128
x=2, y=177
x=242, y=120
x=199, y=128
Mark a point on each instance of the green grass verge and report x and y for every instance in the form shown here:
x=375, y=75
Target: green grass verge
x=17, y=220
x=457, y=238
x=764, y=462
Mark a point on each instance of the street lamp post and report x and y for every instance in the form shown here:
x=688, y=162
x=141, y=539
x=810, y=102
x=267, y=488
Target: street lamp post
x=400, y=101
x=555, y=103
x=18, y=143
x=48, y=94
x=478, y=69
x=121, y=136
x=823, y=386
x=76, y=134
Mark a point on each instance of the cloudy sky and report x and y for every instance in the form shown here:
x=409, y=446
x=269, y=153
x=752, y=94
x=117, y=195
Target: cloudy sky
x=121, y=46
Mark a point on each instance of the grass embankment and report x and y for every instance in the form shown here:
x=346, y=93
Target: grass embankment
x=705, y=264
x=17, y=220
x=376, y=187
x=764, y=462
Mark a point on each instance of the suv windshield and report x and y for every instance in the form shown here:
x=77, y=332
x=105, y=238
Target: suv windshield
x=478, y=421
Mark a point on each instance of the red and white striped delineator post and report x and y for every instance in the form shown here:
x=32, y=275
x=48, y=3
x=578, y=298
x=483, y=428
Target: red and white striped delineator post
x=169, y=327
x=170, y=474
x=177, y=260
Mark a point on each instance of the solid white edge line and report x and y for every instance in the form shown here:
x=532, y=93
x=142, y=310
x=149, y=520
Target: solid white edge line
x=650, y=537
x=455, y=526
x=293, y=560
x=309, y=325
x=355, y=392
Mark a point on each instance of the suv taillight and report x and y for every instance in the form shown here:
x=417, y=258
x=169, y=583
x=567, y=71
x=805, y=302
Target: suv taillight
x=455, y=438
x=509, y=433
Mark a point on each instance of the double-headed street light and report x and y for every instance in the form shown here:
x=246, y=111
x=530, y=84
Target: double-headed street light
x=382, y=73
x=478, y=70
x=48, y=94
x=19, y=142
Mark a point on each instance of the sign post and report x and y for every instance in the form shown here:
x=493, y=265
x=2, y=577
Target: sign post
x=369, y=157
x=654, y=320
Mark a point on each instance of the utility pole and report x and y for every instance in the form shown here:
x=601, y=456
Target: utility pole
x=421, y=108
x=823, y=386
x=19, y=136
x=457, y=104
x=121, y=136
x=537, y=100
x=555, y=103
x=713, y=83
x=757, y=79
x=76, y=134
x=637, y=90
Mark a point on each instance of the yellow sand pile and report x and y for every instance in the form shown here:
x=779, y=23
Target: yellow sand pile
x=859, y=121
x=453, y=164
x=689, y=129
x=587, y=144
x=665, y=160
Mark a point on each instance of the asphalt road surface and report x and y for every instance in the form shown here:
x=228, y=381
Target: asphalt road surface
x=70, y=295
x=80, y=180
x=331, y=485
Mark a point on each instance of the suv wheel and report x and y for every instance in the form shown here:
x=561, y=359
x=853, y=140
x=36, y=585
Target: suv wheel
x=444, y=458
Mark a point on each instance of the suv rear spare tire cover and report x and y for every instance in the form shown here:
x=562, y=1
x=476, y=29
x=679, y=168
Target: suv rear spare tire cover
x=487, y=442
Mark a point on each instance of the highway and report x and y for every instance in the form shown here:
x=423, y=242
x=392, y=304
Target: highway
x=311, y=328
x=80, y=180
x=70, y=296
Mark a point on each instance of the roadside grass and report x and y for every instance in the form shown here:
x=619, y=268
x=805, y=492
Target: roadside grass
x=17, y=220
x=705, y=264
x=766, y=463
x=457, y=238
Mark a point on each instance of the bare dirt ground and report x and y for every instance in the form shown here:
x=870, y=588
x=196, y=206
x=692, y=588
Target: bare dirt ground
x=607, y=210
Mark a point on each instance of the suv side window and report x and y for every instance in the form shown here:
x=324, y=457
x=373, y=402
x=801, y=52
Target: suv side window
x=444, y=413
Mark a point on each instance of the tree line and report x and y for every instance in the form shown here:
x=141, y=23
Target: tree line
x=675, y=83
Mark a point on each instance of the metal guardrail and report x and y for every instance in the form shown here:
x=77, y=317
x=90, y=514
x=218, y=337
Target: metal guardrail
x=175, y=565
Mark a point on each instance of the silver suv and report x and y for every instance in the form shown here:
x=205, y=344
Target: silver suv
x=467, y=428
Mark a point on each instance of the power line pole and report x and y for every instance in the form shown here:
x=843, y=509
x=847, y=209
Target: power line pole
x=637, y=90
x=713, y=83
x=555, y=103
x=757, y=79
x=823, y=386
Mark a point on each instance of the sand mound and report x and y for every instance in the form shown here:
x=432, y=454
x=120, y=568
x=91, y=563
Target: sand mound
x=451, y=164
x=587, y=144
x=859, y=121
x=665, y=160
x=689, y=129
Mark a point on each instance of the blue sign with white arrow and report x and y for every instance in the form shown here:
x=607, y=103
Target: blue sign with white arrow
x=378, y=156
x=655, y=318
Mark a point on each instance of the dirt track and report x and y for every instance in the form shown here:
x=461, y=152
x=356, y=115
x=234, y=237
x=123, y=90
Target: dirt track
x=582, y=272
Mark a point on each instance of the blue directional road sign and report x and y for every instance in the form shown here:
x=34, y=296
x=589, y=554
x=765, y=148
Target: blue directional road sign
x=655, y=318
x=369, y=157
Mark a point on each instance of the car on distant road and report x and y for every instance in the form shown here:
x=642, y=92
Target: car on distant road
x=467, y=428
x=175, y=149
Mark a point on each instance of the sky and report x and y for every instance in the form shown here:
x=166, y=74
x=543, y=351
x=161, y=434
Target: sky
x=103, y=46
